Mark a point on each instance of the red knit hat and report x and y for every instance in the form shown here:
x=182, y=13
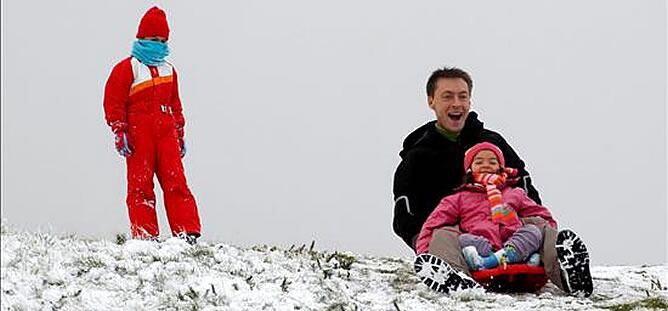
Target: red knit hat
x=153, y=24
x=470, y=154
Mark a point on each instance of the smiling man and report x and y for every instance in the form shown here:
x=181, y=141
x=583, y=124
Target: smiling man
x=432, y=156
x=432, y=168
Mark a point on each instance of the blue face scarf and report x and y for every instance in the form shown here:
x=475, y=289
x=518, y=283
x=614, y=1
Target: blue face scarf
x=149, y=52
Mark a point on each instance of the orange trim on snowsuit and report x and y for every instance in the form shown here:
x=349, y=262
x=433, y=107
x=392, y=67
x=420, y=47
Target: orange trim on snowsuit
x=153, y=82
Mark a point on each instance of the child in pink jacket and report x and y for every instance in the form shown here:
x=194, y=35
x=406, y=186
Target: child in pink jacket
x=488, y=212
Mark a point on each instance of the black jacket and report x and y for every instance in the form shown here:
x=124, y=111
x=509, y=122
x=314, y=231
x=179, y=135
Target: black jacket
x=432, y=167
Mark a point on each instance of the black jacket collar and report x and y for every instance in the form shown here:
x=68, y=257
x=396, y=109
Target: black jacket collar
x=425, y=133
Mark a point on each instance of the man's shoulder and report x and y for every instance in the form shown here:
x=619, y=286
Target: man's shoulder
x=419, y=140
x=429, y=142
x=419, y=152
x=418, y=134
x=491, y=136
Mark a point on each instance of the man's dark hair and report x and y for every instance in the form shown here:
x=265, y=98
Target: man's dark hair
x=448, y=73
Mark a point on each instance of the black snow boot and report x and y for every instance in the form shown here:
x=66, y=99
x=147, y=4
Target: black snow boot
x=190, y=238
x=574, y=262
x=439, y=276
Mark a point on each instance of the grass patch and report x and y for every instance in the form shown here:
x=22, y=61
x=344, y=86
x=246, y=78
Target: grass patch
x=200, y=252
x=121, y=238
x=404, y=279
x=659, y=303
x=89, y=262
x=345, y=261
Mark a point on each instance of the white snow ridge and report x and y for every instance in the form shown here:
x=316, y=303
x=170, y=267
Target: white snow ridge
x=46, y=272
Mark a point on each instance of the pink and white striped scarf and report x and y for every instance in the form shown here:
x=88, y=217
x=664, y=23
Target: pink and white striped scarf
x=492, y=183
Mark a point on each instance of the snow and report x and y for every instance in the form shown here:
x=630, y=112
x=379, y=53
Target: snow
x=42, y=271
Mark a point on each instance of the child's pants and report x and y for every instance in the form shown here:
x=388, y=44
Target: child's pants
x=445, y=244
x=156, y=153
x=526, y=241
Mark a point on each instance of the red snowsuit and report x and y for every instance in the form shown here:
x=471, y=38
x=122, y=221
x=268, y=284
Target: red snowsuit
x=146, y=98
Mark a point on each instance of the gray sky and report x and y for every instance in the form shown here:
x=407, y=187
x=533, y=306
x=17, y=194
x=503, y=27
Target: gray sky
x=296, y=111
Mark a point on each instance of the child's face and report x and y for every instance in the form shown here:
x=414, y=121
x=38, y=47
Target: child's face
x=485, y=162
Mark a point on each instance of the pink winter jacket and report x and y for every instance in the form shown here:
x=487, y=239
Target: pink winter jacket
x=471, y=210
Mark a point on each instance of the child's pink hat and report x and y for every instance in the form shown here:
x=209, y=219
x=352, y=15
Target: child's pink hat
x=470, y=154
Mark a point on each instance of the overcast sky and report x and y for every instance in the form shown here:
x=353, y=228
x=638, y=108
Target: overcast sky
x=296, y=111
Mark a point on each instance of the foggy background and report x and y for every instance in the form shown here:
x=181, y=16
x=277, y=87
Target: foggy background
x=296, y=111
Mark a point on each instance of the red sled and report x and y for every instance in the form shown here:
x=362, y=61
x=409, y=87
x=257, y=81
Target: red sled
x=512, y=278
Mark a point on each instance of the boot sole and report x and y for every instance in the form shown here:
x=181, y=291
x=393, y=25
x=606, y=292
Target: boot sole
x=439, y=276
x=574, y=262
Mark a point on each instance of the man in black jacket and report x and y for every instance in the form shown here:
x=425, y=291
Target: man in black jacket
x=432, y=155
x=432, y=167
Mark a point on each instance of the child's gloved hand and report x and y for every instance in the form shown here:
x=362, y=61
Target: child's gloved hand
x=122, y=144
x=180, y=133
x=120, y=129
x=182, y=147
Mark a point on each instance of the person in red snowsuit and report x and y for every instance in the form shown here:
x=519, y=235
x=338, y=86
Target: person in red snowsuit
x=143, y=109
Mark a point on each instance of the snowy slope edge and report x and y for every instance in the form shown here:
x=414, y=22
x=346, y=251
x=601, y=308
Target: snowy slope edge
x=44, y=271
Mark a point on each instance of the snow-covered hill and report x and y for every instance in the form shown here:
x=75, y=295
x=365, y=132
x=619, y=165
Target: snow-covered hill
x=46, y=272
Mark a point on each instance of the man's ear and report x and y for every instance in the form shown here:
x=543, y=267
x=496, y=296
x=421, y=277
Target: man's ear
x=430, y=101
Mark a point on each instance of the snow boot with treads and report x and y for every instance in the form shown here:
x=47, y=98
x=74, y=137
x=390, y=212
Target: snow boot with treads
x=439, y=276
x=573, y=259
